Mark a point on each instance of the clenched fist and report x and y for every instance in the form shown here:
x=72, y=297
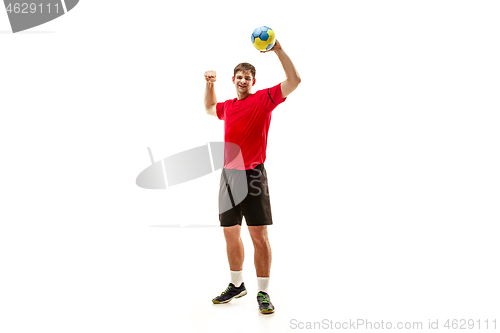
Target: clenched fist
x=210, y=76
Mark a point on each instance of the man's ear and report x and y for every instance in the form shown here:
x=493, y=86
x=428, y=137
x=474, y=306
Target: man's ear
x=233, y=79
x=253, y=82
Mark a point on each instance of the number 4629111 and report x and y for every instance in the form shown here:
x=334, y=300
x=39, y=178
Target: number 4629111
x=32, y=8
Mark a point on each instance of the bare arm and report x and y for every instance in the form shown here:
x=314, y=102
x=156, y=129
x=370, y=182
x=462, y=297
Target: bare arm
x=210, y=98
x=292, y=76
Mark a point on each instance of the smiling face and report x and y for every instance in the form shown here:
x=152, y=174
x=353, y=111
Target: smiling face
x=243, y=81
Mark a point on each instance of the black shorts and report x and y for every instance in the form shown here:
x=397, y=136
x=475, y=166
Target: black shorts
x=244, y=193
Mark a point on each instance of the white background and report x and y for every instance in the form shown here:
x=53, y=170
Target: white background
x=383, y=165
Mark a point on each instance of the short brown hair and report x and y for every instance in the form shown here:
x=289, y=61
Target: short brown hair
x=245, y=67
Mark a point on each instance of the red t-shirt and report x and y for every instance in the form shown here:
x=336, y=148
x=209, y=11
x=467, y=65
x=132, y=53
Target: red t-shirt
x=246, y=123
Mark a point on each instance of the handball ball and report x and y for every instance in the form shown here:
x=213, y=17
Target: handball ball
x=263, y=38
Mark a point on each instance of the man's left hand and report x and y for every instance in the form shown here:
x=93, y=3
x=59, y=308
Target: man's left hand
x=275, y=48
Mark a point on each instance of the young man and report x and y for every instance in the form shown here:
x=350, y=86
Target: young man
x=246, y=124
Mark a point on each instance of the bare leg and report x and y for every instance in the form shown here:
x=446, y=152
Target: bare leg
x=234, y=246
x=262, y=256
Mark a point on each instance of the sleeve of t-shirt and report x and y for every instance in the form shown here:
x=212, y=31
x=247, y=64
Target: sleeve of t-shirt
x=273, y=98
x=220, y=111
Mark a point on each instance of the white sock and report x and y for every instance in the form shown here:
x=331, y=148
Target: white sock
x=263, y=284
x=236, y=278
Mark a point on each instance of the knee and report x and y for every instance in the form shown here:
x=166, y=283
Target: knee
x=232, y=234
x=259, y=237
x=260, y=241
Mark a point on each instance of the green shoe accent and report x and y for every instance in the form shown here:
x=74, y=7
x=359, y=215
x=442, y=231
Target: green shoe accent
x=265, y=305
x=264, y=298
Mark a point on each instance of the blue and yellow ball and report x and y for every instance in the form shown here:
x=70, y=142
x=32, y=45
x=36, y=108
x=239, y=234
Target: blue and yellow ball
x=263, y=38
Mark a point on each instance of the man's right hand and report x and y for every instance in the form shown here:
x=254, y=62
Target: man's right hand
x=210, y=76
x=210, y=99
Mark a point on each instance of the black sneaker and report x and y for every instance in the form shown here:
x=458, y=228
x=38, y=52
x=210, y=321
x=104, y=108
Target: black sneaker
x=265, y=305
x=230, y=293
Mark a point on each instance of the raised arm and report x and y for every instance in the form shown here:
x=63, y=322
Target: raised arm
x=210, y=98
x=292, y=76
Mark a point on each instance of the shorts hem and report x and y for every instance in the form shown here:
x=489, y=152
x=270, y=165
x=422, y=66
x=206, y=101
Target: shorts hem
x=268, y=222
x=261, y=224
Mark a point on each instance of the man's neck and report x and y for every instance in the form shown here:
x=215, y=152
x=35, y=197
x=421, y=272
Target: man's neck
x=243, y=96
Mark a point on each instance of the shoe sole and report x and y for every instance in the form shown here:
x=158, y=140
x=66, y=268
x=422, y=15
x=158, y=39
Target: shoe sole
x=267, y=311
x=243, y=293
